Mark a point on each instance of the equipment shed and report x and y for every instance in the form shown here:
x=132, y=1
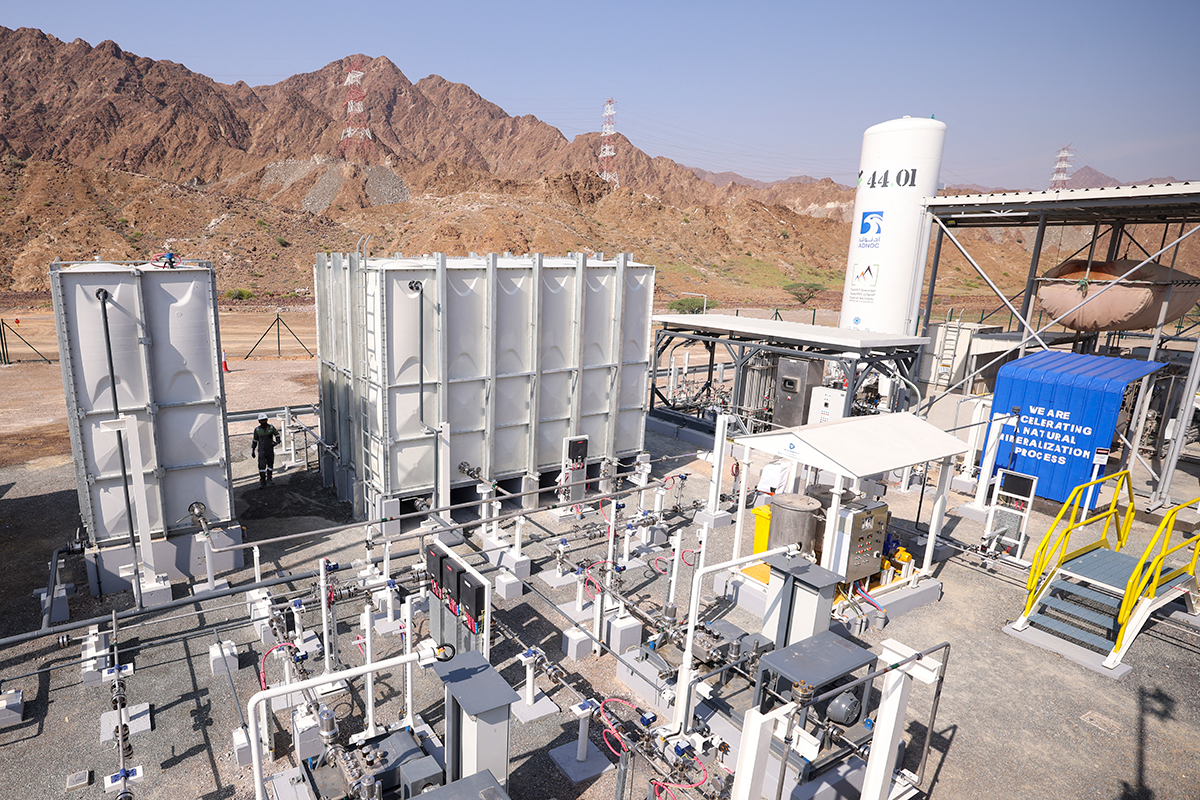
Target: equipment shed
x=1069, y=404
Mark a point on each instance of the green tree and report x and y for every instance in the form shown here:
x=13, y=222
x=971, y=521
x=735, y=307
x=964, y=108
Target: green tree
x=690, y=305
x=803, y=292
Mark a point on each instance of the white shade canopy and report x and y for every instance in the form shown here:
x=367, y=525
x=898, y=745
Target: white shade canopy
x=858, y=447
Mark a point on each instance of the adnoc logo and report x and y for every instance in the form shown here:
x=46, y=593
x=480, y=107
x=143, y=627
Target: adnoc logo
x=872, y=223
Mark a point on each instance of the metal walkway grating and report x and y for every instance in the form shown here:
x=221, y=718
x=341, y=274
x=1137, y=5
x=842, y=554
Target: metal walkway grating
x=1066, y=630
x=1102, y=567
x=1106, y=621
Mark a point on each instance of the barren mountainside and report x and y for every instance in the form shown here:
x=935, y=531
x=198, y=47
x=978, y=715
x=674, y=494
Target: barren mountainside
x=105, y=154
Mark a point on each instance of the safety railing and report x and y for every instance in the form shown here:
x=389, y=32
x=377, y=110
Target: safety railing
x=1055, y=546
x=1148, y=578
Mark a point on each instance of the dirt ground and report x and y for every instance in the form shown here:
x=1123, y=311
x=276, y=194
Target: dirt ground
x=1014, y=720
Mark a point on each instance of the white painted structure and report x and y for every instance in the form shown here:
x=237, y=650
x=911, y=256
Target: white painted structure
x=889, y=238
x=167, y=361
x=430, y=362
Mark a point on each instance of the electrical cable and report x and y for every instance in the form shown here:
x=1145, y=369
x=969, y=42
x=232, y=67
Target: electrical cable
x=262, y=674
x=228, y=674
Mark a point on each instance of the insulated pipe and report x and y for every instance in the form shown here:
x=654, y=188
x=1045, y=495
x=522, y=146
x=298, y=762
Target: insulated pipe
x=684, y=676
x=103, y=296
x=256, y=702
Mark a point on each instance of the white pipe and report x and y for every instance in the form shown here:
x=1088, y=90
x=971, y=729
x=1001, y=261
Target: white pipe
x=517, y=535
x=530, y=687
x=408, y=668
x=718, y=462
x=684, y=678
x=612, y=547
x=323, y=582
x=676, y=559
x=597, y=621
x=938, y=516
x=741, y=503
x=496, y=506
x=208, y=563
x=260, y=698
x=257, y=564
x=581, y=746
x=999, y=422
x=369, y=634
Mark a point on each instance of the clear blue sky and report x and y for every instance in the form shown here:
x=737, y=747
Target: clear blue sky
x=764, y=89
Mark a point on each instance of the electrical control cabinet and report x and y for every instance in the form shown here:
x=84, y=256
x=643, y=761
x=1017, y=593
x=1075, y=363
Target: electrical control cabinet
x=862, y=525
x=451, y=574
x=795, y=380
x=434, y=558
x=825, y=404
x=471, y=598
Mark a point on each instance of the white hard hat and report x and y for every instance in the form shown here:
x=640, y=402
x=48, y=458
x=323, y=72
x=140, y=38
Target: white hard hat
x=262, y=417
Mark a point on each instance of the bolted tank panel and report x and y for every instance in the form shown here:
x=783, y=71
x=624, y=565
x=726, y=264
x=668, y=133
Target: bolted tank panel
x=793, y=520
x=489, y=360
x=889, y=238
x=167, y=360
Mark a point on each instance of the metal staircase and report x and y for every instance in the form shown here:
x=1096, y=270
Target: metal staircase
x=1097, y=596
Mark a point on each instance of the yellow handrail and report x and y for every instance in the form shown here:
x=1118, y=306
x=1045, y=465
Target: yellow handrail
x=1052, y=546
x=1145, y=582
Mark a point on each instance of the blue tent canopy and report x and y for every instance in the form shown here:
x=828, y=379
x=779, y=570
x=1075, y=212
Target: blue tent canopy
x=1068, y=408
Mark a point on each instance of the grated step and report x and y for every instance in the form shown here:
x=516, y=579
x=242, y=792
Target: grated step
x=1106, y=621
x=1065, y=630
x=1094, y=595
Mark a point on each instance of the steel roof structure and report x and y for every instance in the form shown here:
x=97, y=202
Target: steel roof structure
x=1111, y=213
x=1169, y=202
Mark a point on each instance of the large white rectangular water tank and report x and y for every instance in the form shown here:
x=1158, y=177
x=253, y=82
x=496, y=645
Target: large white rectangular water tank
x=515, y=353
x=167, y=362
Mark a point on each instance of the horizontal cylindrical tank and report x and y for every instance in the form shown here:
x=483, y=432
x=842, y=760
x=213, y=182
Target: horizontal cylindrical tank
x=794, y=520
x=1134, y=304
x=430, y=362
x=889, y=238
x=167, y=361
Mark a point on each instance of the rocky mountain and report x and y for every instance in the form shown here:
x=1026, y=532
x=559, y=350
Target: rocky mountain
x=1088, y=178
x=105, y=154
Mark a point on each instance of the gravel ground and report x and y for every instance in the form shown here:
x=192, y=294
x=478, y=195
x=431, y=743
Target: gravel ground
x=1014, y=720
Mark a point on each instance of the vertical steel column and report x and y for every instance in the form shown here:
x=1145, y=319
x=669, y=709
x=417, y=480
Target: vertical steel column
x=442, y=476
x=532, y=476
x=1162, y=494
x=616, y=356
x=1145, y=391
x=577, y=342
x=103, y=296
x=144, y=345
x=1031, y=278
x=491, y=341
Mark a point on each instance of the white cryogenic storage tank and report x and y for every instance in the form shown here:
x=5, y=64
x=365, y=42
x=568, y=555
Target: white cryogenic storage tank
x=162, y=325
x=889, y=238
x=430, y=362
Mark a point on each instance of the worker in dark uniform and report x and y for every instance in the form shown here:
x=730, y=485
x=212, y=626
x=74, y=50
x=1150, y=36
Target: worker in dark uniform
x=266, y=437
